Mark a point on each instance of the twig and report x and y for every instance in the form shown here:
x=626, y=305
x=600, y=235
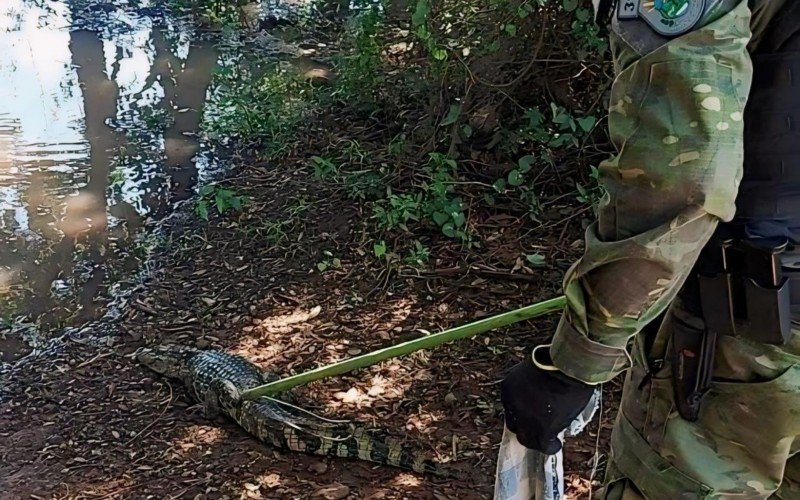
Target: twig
x=166, y=407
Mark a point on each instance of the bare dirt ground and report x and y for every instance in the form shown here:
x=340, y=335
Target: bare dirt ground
x=87, y=422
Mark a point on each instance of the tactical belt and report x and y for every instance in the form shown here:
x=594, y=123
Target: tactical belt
x=746, y=288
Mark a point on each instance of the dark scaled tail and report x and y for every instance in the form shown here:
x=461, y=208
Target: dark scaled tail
x=288, y=427
x=374, y=446
x=337, y=439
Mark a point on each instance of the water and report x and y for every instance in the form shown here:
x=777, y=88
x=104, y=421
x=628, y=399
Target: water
x=98, y=139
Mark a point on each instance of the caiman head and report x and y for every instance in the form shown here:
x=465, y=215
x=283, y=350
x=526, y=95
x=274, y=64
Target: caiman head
x=169, y=360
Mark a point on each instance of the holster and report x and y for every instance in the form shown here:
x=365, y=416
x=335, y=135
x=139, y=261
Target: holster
x=692, y=357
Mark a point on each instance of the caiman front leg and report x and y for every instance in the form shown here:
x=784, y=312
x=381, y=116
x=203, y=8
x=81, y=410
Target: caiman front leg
x=221, y=395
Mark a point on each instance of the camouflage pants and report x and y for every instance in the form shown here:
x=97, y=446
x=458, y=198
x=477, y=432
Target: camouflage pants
x=746, y=442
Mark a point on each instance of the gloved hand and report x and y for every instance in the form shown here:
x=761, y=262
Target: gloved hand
x=540, y=401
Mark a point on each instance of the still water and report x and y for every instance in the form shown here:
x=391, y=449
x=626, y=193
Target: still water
x=99, y=138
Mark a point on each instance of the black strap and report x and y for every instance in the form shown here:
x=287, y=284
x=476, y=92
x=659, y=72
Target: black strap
x=604, y=10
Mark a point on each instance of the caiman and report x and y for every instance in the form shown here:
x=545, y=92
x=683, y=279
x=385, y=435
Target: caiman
x=216, y=379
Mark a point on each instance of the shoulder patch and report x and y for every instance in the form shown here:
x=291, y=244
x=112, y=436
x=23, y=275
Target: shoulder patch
x=668, y=18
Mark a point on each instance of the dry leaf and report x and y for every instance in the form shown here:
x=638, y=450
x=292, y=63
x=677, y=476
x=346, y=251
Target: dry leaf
x=333, y=491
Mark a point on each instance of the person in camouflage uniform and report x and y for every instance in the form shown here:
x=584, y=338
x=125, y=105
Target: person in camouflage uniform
x=676, y=117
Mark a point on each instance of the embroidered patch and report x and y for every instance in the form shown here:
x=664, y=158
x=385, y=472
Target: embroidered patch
x=669, y=18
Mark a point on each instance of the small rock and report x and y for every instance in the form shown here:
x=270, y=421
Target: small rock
x=450, y=398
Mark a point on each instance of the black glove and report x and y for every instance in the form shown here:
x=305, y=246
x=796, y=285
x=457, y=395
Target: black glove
x=541, y=403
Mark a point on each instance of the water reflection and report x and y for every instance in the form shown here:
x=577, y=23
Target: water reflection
x=98, y=136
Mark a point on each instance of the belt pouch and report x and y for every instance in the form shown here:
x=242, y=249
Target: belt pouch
x=769, y=317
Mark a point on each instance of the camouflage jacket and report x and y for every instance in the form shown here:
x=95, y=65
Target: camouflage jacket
x=675, y=118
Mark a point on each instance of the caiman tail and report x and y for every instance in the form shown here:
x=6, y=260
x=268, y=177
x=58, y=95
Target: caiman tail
x=291, y=428
x=216, y=378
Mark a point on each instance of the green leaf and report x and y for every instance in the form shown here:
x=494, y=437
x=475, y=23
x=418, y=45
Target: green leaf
x=459, y=219
x=322, y=266
x=207, y=189
x=534, y=117
x=587, y=123
x=535, y=259
x=421, y=12
x=525, y=163
x=499, y=185
x=510, y=29
x=466, y=131
x=439, y=53
x=379, y=249
x=569, y=5
x=515, y=177
x=440, y=218
x=452, y=115
x=449, y=230
x=221, y=201
x=202, y=209
x=560, y=116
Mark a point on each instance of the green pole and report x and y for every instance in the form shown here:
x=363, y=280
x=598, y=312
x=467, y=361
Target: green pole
x=433, y=340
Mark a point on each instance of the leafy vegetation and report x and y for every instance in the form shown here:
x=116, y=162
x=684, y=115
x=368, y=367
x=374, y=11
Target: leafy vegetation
x=258, y=109
x=479, y=109
x=214, y=12
x=221, y=199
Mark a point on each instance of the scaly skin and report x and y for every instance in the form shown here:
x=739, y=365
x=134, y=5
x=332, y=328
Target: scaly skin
x=216, y=379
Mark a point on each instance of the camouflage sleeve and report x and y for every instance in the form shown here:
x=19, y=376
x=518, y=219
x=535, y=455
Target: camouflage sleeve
x=676, y=119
